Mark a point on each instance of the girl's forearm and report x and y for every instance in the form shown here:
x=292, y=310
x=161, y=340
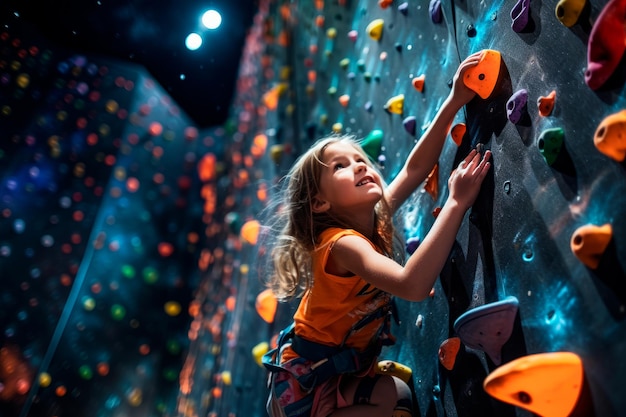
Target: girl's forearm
x=425, y=264
x=426, y=152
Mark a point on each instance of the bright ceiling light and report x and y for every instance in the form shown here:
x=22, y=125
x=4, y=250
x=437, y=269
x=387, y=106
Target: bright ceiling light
x=193, y=41
x=211, y=19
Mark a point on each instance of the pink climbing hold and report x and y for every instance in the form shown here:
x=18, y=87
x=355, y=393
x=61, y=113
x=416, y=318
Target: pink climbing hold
x=607, y=43
x=520, y=14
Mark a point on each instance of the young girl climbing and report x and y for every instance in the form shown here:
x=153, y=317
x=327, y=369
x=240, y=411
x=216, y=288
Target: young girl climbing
x=336, y=251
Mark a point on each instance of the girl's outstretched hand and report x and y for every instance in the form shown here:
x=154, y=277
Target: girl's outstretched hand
x=460, y=91
x=465, y=181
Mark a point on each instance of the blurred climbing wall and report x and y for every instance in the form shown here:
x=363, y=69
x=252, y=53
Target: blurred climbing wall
x=534, y=281
x=108, y=196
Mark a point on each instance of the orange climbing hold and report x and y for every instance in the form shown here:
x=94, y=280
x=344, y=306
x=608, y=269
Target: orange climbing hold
x=375, y=29
x=344, y=100
x=547, y=384
x=589, y=242
x=432, y=183
x=418, y=83
x=610, y=136
x=266, y=305
x=483, y=77
x=546, y=104
x=250, y=231
x=270, y=98
x=457, y=133
x=385, y=3
x=448, y=350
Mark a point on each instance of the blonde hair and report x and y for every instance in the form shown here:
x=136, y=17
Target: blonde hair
x=301, y=227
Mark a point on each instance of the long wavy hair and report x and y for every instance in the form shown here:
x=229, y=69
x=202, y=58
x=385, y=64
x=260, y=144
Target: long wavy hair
x=299, y=227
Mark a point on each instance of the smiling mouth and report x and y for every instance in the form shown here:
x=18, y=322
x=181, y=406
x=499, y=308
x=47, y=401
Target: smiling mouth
x=364, y=181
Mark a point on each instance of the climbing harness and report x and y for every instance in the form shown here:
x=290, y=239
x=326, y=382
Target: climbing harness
x=292, y=384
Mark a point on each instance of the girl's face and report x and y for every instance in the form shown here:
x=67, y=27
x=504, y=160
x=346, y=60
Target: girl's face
x=348, y=184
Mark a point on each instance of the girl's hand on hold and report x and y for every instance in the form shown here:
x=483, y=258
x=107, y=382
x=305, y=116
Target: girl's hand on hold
x=465, y=181
x=460, y=91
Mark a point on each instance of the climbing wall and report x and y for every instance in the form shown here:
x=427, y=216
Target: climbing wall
x=528, y=315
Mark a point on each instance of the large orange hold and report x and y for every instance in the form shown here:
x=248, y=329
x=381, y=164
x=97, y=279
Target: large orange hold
x=483, y=77
x=547, y=384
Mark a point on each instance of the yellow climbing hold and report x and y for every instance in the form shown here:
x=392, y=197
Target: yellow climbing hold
x=396, y=369
x=568, y=11
x=375, y=29
x=258, y=351
x=395, y=104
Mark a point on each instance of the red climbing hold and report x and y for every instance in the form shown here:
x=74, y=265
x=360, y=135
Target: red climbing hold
x=607, y=43
x=448, y=350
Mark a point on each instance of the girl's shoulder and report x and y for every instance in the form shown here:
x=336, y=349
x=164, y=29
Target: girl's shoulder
x=334, y=233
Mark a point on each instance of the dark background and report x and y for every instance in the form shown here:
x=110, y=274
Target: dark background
x=151, y=34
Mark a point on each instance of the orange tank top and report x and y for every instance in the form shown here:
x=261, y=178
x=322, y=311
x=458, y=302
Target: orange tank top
x=334, y=304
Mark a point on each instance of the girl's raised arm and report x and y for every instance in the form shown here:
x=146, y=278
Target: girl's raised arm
x=425, y=153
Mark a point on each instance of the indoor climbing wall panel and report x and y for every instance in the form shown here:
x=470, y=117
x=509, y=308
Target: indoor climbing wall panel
x=528, y=314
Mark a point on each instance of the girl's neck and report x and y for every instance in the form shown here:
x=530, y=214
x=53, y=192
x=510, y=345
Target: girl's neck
x=364, y=225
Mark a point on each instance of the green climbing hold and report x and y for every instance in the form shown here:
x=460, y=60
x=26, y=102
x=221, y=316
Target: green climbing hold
x=550, y=143
x=372, y=144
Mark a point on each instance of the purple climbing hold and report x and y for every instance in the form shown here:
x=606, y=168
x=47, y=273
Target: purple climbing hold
x=520, y=14
x=410, y=124
x=411, y=244
x=516, y=106
x=368, y=106
x=488, y=327
x=435, y=11
x=404, y=8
